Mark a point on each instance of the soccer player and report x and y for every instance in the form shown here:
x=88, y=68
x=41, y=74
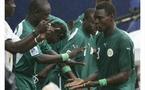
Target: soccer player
x=26, y=63
x=85, y=24
x=89, y=32
x=13, y=44
x=114, y=56
x=78, y=22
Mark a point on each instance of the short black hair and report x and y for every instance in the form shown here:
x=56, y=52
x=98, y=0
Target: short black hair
x=108, y=7
x=33, y=7
x=88, y=12
x=36, y=6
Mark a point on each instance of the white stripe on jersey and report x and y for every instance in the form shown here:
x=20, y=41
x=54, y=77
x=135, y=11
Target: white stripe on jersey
x=18, y=57
x=19, y=30
x=73, y=34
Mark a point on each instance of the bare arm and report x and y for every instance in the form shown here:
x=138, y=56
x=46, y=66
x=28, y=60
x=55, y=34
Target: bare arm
x=28, y=42
x=119, y=78
x=113, y=80
x=45, y=71
x=20, y=46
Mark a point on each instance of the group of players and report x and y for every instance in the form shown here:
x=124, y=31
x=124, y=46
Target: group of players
x=92, y=53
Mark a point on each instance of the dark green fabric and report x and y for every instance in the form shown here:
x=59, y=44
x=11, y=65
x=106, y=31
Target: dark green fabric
x=53, y=74
x=64, y=46
x=24, y=69
x=89, y=58
x=79, y=20
x=24, y=83
x=115, y=54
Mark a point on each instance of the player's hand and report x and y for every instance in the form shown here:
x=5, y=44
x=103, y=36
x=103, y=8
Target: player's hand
x=87, y=84
x=75, y=52
x=44, y=26
x=74, y=82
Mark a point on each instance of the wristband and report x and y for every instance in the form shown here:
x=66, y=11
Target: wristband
x=66, y=69
x=64, y=57
x=103, y=82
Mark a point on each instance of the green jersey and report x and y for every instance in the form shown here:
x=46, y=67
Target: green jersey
x=53, y=74
x=79, y=20
x=90, y=44
x=25, y=63
x=75, y=40
x=115, y=54
x=89, y=59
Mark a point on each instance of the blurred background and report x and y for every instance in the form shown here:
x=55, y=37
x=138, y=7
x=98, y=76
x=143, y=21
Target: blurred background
x=70, y=9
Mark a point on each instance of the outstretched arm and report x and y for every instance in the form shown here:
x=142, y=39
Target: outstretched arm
x=28, y=42
x=113, y=80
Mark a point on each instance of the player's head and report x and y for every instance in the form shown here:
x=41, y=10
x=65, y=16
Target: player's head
x=9, y=7
x=59, y=32
x=99, y=1
x=39, y=10
x=88, y=21
x=104, y=16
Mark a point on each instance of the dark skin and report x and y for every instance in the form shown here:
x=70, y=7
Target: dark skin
x=105, y=24
x=54, y=37
x=43, y=13
x=44, y=73
x=88, y=20
x=9, y=8
x=55, y=58
x=20, y=46
x=89, y=23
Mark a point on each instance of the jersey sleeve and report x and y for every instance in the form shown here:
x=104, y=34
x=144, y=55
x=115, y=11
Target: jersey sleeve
x=35, y=51
x=45, y=47
x=9, y=33
x=126, y=55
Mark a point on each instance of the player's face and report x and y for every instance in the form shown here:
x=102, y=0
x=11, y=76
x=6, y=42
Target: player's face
x=52, y=38
x=102, y=20
x=42, y=14
x=9, y=7
x=56, y=35
x=89, y=24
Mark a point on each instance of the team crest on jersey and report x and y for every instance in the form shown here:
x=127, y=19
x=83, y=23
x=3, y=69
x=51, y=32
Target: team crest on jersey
x=110, y=52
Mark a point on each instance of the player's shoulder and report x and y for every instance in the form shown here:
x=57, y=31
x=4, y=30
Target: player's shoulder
x=54, y=18
x=123, y=35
